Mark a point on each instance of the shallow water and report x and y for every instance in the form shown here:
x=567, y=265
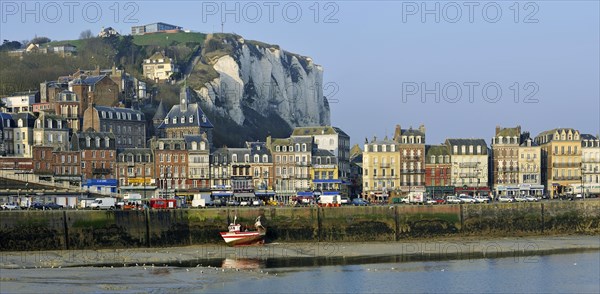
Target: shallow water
x=573, y=273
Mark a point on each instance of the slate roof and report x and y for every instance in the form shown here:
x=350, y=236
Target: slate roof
x=467, y=143
x=88, y=80
x=189, y=139
x=509, y=132
x=122, y=113
x=193, y=110
x=161, y=112
x=318, y=130
x=79, y=140
x=27, y=117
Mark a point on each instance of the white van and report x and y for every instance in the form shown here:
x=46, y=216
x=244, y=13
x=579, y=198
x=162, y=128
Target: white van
x=104, y=203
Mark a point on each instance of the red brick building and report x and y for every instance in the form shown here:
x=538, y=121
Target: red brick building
x=42, y=160
x=170, y=165
x=438, y=170
x=98, y=154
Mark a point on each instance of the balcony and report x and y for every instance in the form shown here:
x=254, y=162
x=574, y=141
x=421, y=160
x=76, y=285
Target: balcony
x=468, y=164
x=412, y=171
x=566, y=164
x=101, y=171
x=469, y=175
x=508, y=169
x=414, y=157
x=566, y=178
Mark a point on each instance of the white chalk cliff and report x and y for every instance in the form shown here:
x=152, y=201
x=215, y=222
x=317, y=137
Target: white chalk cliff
x=267, y=80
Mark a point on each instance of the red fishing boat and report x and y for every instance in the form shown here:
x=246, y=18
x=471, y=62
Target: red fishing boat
x=237, y=236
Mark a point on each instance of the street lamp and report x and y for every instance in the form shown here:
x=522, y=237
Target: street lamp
x=581, y=175
x=144, y=179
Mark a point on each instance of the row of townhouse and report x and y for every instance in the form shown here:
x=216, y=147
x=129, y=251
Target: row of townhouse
x=556, y=162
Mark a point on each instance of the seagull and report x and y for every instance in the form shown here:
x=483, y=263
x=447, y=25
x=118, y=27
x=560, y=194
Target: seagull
x=187, y=269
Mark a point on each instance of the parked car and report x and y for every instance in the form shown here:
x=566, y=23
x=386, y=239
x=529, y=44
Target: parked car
x=360, y=202
x=345, y=201
x=51, y=206
x=257, y=202
x=481, y=199
x=521, y=198
x=505, y=198
x=37, y=205
x=439, y=200
x=453, y=200
x=244, y=203
x=9, y=206
x=467, y=199
x=232, y=202
x=430, y=201
x=531, y=198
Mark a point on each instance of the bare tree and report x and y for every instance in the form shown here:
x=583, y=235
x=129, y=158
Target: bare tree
x=86, y=34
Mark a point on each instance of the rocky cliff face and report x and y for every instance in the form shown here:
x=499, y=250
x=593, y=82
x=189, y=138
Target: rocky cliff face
x=252, y=78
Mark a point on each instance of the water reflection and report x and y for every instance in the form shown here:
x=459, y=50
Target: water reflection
x=243, y=263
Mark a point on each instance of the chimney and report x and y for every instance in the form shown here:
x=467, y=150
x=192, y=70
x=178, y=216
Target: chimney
x=422, y=128
x=397, y=133
x=269, y=142
x=497, y=130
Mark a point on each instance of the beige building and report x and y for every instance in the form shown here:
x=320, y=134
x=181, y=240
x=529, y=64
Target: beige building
x=530, y=171
x=590, y=159
x=292, y=164
x=159, y=67
x=469, y=166
x=381, y=166
x=561, y=159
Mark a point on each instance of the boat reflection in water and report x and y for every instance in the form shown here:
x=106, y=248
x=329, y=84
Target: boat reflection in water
x=242, y=263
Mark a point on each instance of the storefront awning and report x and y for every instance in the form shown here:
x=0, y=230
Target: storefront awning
x=327, y=181
x=222, y=194
x=305, y=194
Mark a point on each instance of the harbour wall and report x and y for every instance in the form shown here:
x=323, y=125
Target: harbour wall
x=84, y=229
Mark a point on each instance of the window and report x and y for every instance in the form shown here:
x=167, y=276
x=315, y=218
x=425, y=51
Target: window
x=256, y=158
x=433, y=159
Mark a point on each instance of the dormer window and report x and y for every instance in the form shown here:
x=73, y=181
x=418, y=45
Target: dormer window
x=139, y=116
x=166, y=120
x=88, y=141
x=277, y=148
x=128, y=116
x=118, y=115
x=203, y=118
x=175, y=120
x=161, y=145
x=106, y=142
x=110, y=115
x=182, y=120
x=234, y=158
x=98, y=142
x=103, y=114
x=191, y=119
x=246, y=158
x=265, y=159
x=20, y=123
x=202, y=146
x=194, y=146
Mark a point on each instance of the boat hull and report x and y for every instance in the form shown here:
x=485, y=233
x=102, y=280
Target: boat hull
x=242, y=238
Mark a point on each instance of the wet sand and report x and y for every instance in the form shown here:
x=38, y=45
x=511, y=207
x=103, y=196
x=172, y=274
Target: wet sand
x=451, y=248
x=205, y=268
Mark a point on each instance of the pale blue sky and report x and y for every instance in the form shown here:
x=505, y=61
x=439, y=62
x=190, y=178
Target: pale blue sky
x=371, y=52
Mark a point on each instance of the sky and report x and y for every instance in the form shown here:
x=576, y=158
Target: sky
x=459, y=68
